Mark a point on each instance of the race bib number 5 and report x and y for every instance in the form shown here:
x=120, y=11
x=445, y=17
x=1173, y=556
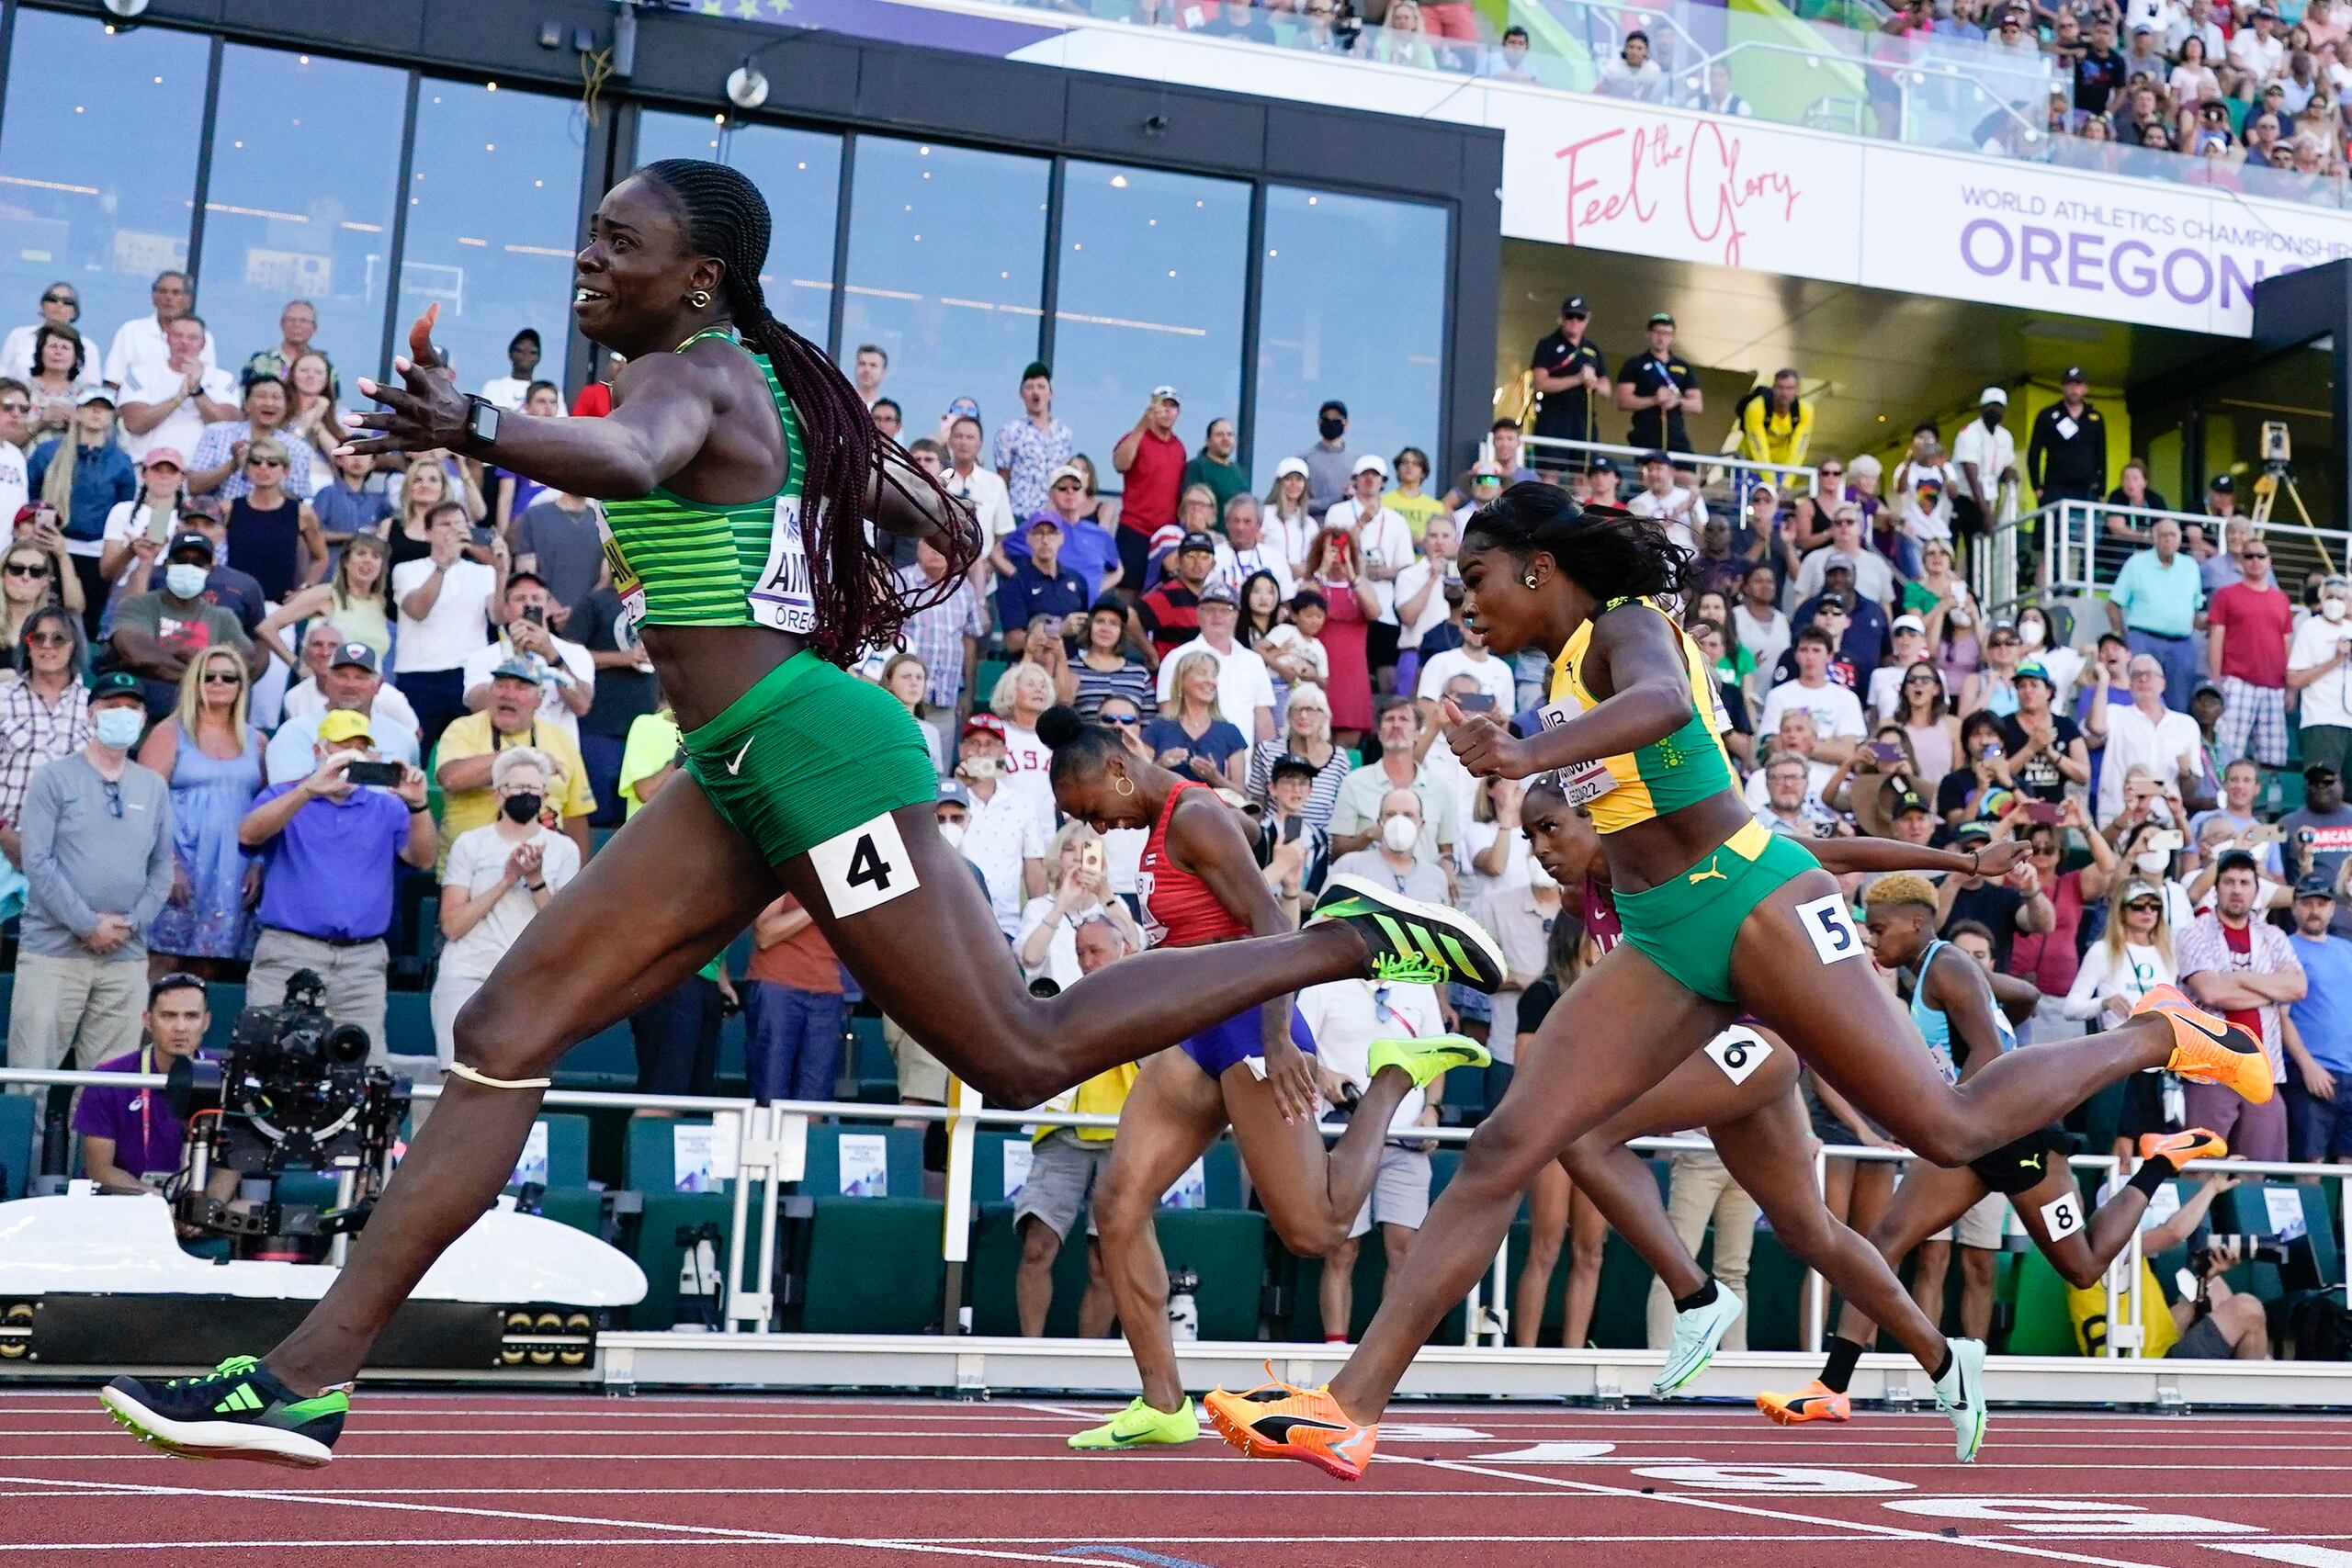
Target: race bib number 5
x=863, y=867
x=1831, y=926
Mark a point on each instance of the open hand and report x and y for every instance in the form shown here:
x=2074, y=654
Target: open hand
x=1292, y=1078
x=429, y=413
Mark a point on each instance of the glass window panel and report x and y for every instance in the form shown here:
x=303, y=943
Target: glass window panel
x=97, y=165
x=298, y=206
x=493, y=219
x=1353, y=307
x=799, y=172
x=1150, y=294
x=947, y=273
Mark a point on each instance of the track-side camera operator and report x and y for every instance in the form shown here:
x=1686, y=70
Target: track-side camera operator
x=294, y=1090
x=132, y=1139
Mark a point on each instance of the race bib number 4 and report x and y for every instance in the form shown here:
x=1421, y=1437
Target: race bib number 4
x=1831, y=926
x=863, y=867
x=1739, y=1051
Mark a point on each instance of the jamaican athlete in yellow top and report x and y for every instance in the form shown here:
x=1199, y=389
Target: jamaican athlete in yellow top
x=1665, y=775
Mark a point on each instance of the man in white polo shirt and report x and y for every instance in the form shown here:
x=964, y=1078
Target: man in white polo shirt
x=139, y=342
x=169, y=403
x=1245, y=692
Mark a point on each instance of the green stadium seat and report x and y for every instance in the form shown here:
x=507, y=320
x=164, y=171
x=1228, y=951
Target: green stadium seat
x=408, y=1024
x=996, y=1259
x=869, y=1074
x=581, y=1208
x=19, y=1142
x=870, y=1265
x=985, y=676
x=902, y=1157
x=1775, y=1296
x=652, y=1171
x=1221, y=1171
x=2041, y=1325
x=603, y=1061
x=567, y=1149
x=1226, y=1248
x=1370, y=1275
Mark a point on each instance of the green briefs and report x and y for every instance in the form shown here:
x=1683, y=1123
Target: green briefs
x=806, y=754
x=1686, y=926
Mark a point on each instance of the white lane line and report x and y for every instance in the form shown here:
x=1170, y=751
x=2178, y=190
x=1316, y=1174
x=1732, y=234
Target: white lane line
x=347, y=1456
x=114, y=1489
x=1540, y=1490
x=2287, y=1551
x=1718, y=1504
x=1058, y=1412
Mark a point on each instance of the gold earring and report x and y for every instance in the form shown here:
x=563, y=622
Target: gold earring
x=1124, y=785
x=699, y=299
x=1529, y=579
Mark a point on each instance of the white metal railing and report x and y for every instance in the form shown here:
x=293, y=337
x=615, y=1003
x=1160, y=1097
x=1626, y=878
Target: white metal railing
x=771, y=1140
x=2080, y=550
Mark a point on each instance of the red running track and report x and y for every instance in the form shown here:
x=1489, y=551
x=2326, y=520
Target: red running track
x=461, y=1479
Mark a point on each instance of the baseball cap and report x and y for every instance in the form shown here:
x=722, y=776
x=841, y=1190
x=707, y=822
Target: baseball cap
x=1574, y=305
x=1907, y=801
x=1974, y=830
x=2223, y=483
x=1333, y=405
x=1660, y=319
x=1836, y=603
x=358, y=653
x=1654, y=455
x=190, y=540
x=94, y=395
x=2232, y=859
x=1764, y=491
x=515, y=670
x=2317, y=772
x=1292, y=763
x=1072, y=472
x=1197, y=541
x=1909, y=624
x=2033, y=670
x=1164, y=394
x=117, y=684
x=986, y=723
x=1370, y=463
x=1217, y=591
x=2138, y=888
x=1836, y=560
x=344, y=724
x=953, y=794
x=2205, y=688
x=169, y=457
x=1603, y=466
x=2315, y=885
x=2075, y=372
x=1993, y=395
x=1290, y=466
x=1038, y=370
x=1045, y=520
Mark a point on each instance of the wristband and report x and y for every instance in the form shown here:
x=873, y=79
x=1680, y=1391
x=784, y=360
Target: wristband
x=536, y=886
x=414, y=810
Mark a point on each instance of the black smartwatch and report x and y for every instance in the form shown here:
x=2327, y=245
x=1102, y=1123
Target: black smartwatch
x=481, y=420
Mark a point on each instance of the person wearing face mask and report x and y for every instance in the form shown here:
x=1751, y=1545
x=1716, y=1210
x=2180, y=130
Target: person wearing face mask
x=1392, y=858
x=329, y=849
x=156, y=633
x=499, y=876
x=1330, y=462
x=1987, y=457
x=2319, y=665
x=2040, y=644
x=96, y=836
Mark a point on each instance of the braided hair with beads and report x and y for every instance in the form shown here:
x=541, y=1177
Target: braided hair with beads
x=860, y=601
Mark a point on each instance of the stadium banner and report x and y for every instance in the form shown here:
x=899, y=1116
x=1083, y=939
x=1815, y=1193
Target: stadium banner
x=1603, y=173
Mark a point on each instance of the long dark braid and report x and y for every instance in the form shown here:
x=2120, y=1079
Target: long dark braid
x=860, y=602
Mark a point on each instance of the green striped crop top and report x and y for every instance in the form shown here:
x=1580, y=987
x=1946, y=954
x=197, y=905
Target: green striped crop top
x=678, y=562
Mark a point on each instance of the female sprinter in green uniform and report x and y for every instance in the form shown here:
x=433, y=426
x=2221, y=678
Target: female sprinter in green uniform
x=737, y=464
x=1721, y=918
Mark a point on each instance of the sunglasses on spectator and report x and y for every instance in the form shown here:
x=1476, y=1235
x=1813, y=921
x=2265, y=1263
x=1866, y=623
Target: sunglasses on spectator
x=2144, y=906
x=1121, y=719
x=114, y=797
x=1832, y=473
x=2257, y=554
x=1069, y=484
x=15, y=406
x=2005, y=642
x=49, y=640
x=220, y=677
x=264, y=462
x=22, y=569
x=60, y=300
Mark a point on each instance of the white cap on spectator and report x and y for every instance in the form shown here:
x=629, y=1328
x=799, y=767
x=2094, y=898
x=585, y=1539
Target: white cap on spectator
x=1290, y=466
x=1910, y=624
x=1165, y=395
x=1370, y=463
x=1067, y=471
x=1994, y=395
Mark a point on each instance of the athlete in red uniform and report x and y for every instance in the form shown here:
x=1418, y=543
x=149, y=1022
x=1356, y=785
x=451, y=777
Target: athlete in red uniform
x=1200, y=882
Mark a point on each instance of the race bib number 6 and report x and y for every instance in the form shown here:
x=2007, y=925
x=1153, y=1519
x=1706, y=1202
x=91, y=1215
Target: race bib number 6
x=1739, y=1051
x=1831, y=926
x=863, y=867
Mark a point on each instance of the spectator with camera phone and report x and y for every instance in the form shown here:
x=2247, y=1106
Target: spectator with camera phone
x=330, y=846
x=567, y=670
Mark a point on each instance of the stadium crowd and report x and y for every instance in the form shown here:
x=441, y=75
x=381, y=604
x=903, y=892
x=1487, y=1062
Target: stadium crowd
x=260, y=690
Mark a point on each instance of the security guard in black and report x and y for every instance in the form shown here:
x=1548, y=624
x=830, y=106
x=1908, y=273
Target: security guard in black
x=2066, y=458
x=1571, y=379
x=1642, y=386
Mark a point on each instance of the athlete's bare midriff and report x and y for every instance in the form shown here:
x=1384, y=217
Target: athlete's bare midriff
x=705, y=668
x=1645, y=855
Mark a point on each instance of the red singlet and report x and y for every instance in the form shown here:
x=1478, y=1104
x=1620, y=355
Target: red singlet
x=1179, y=909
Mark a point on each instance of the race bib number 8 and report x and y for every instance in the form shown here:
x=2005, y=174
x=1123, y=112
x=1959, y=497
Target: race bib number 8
x=1739, y=1051
x=2063, y=1216
x=863, y=867
x=1831, y=926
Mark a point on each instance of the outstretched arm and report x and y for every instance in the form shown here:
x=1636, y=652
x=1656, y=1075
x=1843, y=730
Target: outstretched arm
x=1639, y=659
x=1842, y=855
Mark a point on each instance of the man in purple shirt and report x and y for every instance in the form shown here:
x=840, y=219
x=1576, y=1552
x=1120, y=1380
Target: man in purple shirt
x=132, y=1137
x=326, y=902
